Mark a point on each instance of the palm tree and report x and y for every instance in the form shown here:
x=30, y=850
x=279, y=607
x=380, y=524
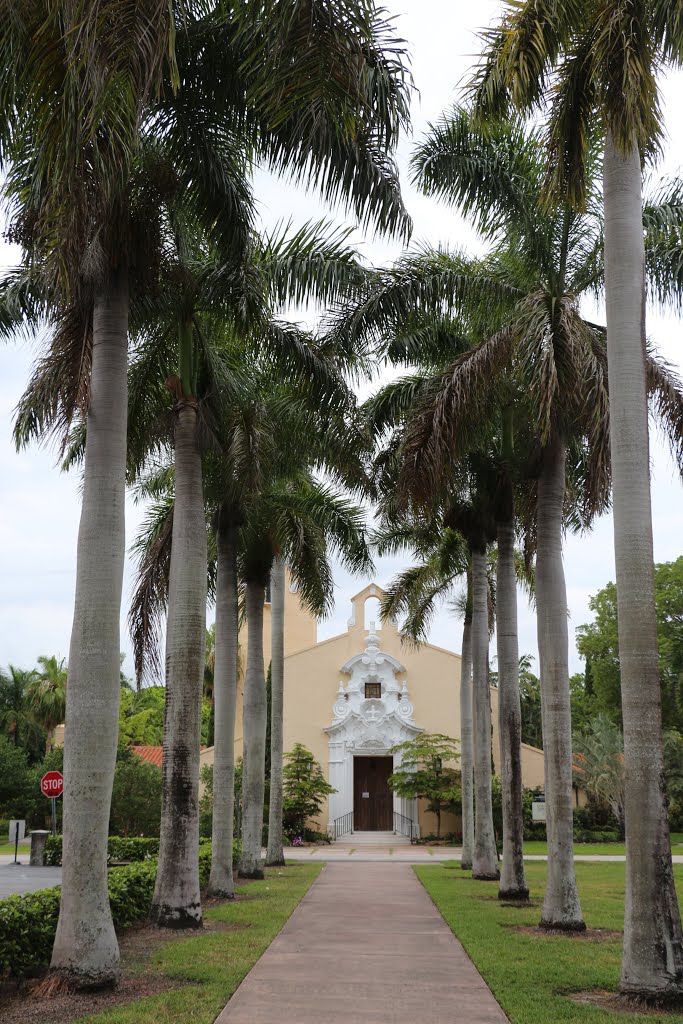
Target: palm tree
x=46, y=695
x=576, y=50
x=225, y=697
x=250, y=119
x=73, y=85
x=298, y=520
x=274, y=854
x=16, y=718
x=413, y=594
x=524, y=297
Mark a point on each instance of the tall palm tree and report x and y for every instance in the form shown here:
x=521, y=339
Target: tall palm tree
x=46, y=695
x=73, y=83
x=524, y=296
x=580, y=52
x=413, y=594
x=298, y=520
x=274, y=854
x=251, y=113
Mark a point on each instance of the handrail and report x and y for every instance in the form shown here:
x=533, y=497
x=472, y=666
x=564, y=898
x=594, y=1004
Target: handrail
x=405, y=826
x=344, y=825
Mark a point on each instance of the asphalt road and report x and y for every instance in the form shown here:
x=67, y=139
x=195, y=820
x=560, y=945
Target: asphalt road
x=20, y=878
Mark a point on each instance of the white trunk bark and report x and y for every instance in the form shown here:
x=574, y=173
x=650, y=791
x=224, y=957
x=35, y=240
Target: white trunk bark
x=561, y=908
x=225, y=702
x=485, y=860
x=652, y=964
x=254, y=733
x=512, y=879
x=275, y=853
x=177, y=901
x=85, y=948
x=466, y=744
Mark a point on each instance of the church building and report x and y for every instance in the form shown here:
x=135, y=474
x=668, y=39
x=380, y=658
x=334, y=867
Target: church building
x=351, y=698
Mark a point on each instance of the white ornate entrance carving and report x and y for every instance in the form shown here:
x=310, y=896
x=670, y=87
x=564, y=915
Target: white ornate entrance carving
x=368, y=725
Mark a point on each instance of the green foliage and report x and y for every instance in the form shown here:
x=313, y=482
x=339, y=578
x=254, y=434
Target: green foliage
x=15, y=780
x=599, y=765
x=673, y=769
x=27, y=931
x=304, y=789
x=133, y=848
x=28, y=923
x=424, y=772
x=598, y=643
x=206, y=801
x=136, y=797
x=17, y=720
x=532, y=829
x=141, y=717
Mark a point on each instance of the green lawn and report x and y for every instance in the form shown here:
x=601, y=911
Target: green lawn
x=526, y=972
x=600, y=849
x=9, y=847
x=214, y=963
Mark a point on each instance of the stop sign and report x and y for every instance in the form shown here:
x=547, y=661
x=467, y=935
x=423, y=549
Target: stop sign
x=52, y=784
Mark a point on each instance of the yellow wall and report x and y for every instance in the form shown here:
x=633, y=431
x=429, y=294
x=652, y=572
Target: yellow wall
x=312, y=675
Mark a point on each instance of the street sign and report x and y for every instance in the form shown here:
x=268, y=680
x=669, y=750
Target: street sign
x=52, y=784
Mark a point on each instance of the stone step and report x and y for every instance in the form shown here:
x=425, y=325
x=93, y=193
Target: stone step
x=383, y=839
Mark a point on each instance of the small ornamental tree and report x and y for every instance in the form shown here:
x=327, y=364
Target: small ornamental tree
x=304, y=789
x=424, y=772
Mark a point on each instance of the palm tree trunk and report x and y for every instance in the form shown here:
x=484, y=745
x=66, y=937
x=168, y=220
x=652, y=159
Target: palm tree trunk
x=275, y=853
x=561, y=908
x=177, y=902
x=512, y=880
x=225, y=702
x=466, y=741
x=652, y=964
x=485, y=860
x=254, y=732
x=85, y=949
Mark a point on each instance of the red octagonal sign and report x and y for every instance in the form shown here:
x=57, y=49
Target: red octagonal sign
x=52, y=784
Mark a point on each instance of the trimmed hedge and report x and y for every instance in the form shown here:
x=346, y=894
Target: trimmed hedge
x=28, y=923
x=134, y=848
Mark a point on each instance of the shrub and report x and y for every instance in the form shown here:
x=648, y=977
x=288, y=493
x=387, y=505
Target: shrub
x=28, y=923
x=131, y=848
x=594, y=836
x=136, y=797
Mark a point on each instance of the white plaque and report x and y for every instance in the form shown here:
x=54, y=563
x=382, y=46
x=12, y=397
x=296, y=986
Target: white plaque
x=366, y=796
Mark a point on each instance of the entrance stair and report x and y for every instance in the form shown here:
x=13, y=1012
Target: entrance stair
x=381, y=839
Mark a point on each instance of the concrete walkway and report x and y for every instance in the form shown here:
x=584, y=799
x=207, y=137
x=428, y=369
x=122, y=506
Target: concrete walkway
x=365, y=946
x=334, y=854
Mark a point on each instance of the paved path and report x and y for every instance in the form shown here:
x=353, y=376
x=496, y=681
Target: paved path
x=365, y=946
x=22, y=878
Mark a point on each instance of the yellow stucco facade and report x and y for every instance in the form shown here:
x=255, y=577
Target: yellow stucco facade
x=325, y=708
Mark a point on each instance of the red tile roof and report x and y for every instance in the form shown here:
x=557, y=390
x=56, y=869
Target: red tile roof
x=151, y=754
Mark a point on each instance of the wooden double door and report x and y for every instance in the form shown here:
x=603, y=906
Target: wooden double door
x=373, y=801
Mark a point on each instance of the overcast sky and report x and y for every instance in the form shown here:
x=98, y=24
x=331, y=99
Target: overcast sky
x=40, y=508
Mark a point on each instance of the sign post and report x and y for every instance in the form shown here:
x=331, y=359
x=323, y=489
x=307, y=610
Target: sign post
x=52, y=786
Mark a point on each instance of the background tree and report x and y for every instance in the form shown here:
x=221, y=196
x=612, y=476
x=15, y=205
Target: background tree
x=304, y=790
x=17, y=721
x=599, y=765
x=426, y=772
x=136, y=797
x=598, y=643
x=46, y=695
